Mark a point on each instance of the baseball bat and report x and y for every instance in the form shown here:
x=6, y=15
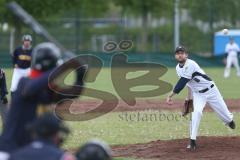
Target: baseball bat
x=27, y=19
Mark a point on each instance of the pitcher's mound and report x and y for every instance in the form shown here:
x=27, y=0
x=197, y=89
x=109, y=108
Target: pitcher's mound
x=209, y=148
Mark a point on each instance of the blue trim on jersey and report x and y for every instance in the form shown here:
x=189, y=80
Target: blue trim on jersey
x=180, y=85
x=181, y=65
x=202, y=75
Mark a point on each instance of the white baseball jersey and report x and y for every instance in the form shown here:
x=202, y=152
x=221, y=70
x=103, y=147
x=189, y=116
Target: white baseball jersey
x=232, y=59
x=198, y=79
x=232, y=49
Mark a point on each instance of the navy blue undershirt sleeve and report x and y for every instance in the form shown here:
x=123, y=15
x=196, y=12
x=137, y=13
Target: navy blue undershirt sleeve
x=180, y=84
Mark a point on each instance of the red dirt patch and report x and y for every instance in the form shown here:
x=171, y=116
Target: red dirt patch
x=86, y=105
x=210, y=148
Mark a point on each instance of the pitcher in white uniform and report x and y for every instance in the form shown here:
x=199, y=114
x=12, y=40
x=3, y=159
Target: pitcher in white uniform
x=232, y=50
x=202, y=90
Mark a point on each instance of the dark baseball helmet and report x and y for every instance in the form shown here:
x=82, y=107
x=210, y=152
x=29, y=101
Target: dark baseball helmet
x=94, y=150
x=46, y=56
x=180, y=48
x=47, y=125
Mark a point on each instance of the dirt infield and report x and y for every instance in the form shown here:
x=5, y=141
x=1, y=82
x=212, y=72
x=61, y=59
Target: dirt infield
x=209, y=148
x=83, y=106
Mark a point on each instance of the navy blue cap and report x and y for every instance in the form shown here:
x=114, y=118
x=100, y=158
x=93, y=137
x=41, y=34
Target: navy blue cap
x=48, y=124
x=94, y=150
x=180, y=48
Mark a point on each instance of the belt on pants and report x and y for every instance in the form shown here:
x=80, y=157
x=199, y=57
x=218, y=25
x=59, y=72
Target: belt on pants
x=206, y=89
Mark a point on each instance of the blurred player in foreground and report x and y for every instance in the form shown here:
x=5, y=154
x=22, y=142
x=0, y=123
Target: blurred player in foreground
x=202, y=90
x=3, y=96
x=21, y=61
x=232, y=50
x=33, y=91
x=48, y=133
x=94, y=150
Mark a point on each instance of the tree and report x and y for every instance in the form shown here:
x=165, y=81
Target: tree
x=142, y=8
x=212, y=11
x=82, y=9
x=41, y=9
x=89, y=8
x=37, y=9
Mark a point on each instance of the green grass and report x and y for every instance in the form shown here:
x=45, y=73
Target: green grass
x=115, y=130
x=229, y=88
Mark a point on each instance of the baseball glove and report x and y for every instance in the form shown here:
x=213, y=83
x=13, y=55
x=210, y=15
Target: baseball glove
x=188, y=107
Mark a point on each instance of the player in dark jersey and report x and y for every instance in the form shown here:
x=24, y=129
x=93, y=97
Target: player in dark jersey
x=48, y=134
x=33, y=91
x=21, y=61
x=3, y=96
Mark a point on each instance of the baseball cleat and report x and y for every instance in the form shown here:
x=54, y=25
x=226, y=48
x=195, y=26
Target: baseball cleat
x=192, y=146
x=232, y=125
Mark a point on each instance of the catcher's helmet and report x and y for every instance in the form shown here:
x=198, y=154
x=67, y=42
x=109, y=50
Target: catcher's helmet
x=46, y=56
x=94, y=150
x=27, y=37
x=47, y=125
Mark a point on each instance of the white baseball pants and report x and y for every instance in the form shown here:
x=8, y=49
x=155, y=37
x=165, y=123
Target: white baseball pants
x=216, y=102
x=18, y=73
x=231, y=60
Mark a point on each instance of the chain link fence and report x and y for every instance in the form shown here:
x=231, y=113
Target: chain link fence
x=84, y=35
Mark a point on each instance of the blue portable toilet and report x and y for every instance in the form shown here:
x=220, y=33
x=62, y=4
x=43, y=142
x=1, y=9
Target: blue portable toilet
x=220, y=40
